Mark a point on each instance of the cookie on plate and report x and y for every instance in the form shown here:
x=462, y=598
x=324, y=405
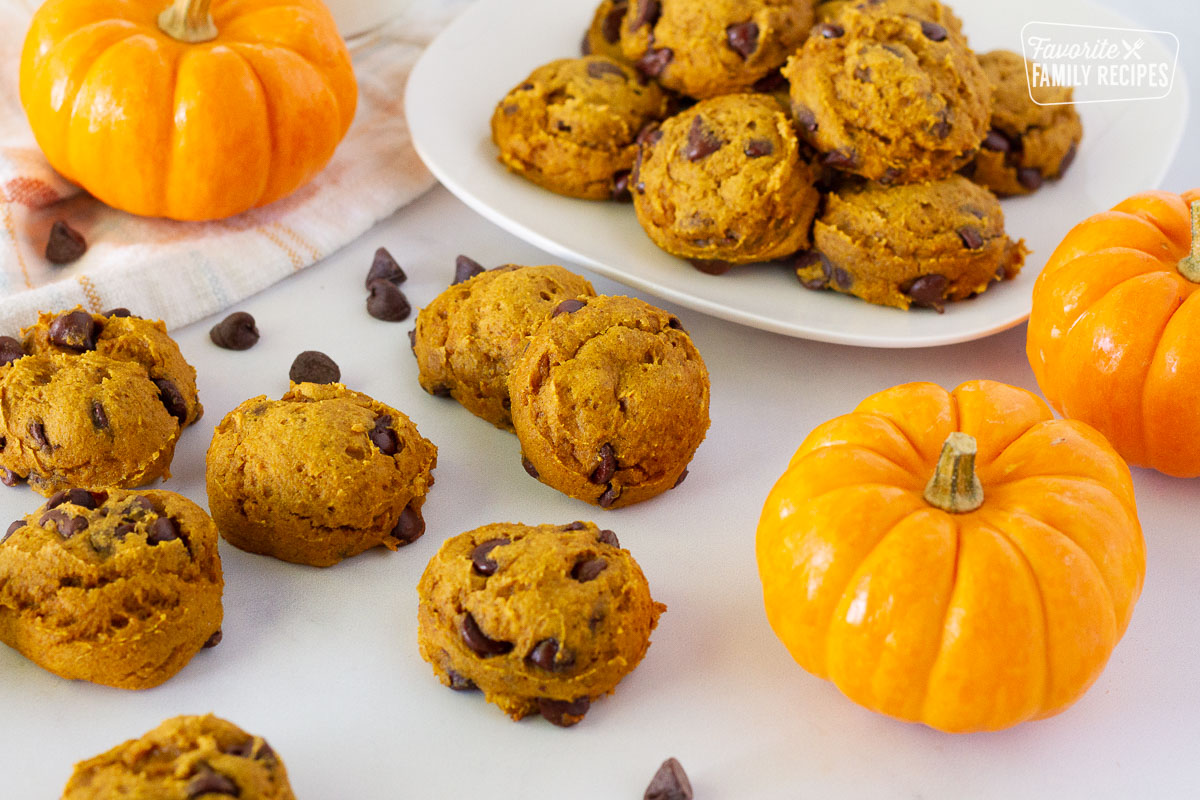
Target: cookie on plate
x=706, y=48
x=184, y=758
x=111, y=586
x=571, y=126
x=543, y=619
x=918, y=244
x=610, y=401
x=1029, y=143
x=725, y=183
x=467, y=338
x=319, y=475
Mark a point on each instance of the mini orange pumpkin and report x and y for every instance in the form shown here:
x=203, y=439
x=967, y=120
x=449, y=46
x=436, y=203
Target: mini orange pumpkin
x=1114, y=334
x=960, y=559
x=185, y=114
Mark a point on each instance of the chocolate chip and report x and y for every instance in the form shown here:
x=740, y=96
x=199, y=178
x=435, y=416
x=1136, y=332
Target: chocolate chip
x=66, y=524
x=933, y=31
x=805, y=118
x=711, y=266
x=13, y=527
x=214, y=640
x=123, y=530
x=140, y=502
x=574, y=526
x=563, y=713
x=604, y=472
x=649, y=134
x=701, y=142
x=80, y=497
x=480, y=561
x=830, y=30
x=598, y=69
x=75, y=331
x=545, y=655
x=441, y=390
x=466, y=268
x=384, y=267
x=567, y=307
x=530, y=468
x=386, y=302
x=9, y=478
x=771, y=82
x=996, y=142
x=412, y=340
x=588, y=569
x=236, y=332
x=99, y=417
x=460, y=683
x=1068, y=159
x=680, y=479
x=941, y=128
x=842, y=158
x=609, y=497
x=757, y=148
x=669, y=783
x=57, y=499
x=971, y=238
x=65, y=244
x=478, y=641
x=119, y=311
x=608, y=537
x=843, y=279
x=313, y=366
x=163, y=529
x=654, y=61
x=610, y=28
x=410, y=526
x=37, y=432
x=209, y=781
x=620, y=189
x=1030, y=177
x=927, y=291
x=743, y=38
x=863, y=73
x=889, y=176
x=10, y=350
x=172, y=399
x=562, y=126
x=384, y=437
x=648, y=12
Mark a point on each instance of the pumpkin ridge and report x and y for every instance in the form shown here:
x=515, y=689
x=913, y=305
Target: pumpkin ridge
x=937, y=651
x=903, y=435
x=268, y=109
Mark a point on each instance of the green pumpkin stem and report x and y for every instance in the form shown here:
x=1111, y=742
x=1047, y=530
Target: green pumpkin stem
x=188, y=21
x=954, y=486
x=1189, y=265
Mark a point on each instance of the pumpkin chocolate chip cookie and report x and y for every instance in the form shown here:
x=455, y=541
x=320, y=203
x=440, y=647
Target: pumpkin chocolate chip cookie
x=725, y=183
x=918, y=244
x=609, y=401
x=543, y=619
x=571, y=126
x=603, y=36
x=319, y=475
x=184, y=758
x=466, y=340
x=1029, y=142
x=114, y=587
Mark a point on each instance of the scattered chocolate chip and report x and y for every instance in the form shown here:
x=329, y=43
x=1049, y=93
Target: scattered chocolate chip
x=598, y=69
x=410, y=526
x=236, y=332
x=1030, y=177
x=830, y=30
x=385, y=268
x=757, y=148
x=604, y=472
x=574, y=526
x=480, y=560
x=701, y=142
x=647, y=14
x=460, y=683
x=172, y=399
x=563, y=713
x=927, y=291
x=215, y=639
x=669, y=783
x=971, y=238
x=13, y=527
x=863, y=73
x=654, y=61
x=609, y=497
x=620, y=189
x=75, y=331
x=10, y=350
x=386, y=302
x=1068, y=159
x=680, y=479
x=66, y=524
x=545, y=655
x=742, y=38
x=9, y=478
x=163, y=529
x=119, y=311
x=588, y=569
x=99, y=417
x=37, y=432
x=996, y=141
x=608, y=537
x=840, y=159
x=65, y=244
x=478, y=641
x=384, y=437
x=208, y=781
x=528, y=466
x=771, y=82
x=567, y=307
x=610, y=28
x=466, y=268
x=711, y=266
x=313, y=366
x=933, y=31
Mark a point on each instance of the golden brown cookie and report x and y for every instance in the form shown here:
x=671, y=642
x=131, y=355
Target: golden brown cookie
x=184, y=758
x=543, y=619
x=894, y=97
x=467, y=338
x=319, y=475
x=725, y=181
x=610, y=401
x=706, y=48
x=110, y=586
x=930, y=10
x=570, y=126
x=918, y=244
x=1028, y=143
x=603, y=36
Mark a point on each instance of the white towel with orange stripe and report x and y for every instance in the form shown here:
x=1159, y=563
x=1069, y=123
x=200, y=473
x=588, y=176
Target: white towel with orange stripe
x=183, y=271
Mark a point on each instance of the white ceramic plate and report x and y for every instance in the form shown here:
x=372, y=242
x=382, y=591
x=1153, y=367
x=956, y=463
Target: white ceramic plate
x=496, y=43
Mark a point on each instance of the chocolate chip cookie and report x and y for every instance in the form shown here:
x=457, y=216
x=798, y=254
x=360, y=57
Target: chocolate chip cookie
x=319, y=475
x=610, y=401
x=467, y=338
x=706, y=48
x=894, y=97
x=110, y=586
x=543, y=619
x=184, y=758
x=843, y=11
x=919, y=244
x=725, y=182
x=1029, y=143
x=603, y=36
x=571, y=126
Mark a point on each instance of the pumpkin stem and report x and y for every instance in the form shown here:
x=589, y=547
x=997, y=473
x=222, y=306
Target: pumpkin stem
x=188, y=21
x=1189, y=265
x=954, y=486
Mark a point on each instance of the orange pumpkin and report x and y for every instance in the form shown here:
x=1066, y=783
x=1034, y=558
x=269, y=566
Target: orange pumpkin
x=960, y=559
x=183, y=113
x=1114, y=334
